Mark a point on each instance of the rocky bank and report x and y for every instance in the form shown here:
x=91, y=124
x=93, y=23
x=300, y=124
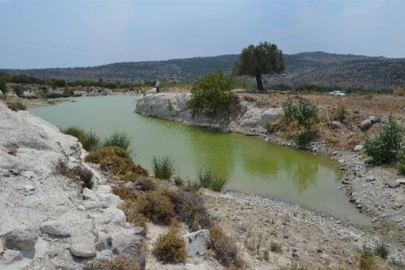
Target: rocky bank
x=245, y=118
x=47, y=221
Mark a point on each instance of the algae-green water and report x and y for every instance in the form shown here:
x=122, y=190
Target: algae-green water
x=251, y=164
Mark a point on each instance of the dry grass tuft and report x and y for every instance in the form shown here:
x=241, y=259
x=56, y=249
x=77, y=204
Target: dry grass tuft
x=157, y=206
x=119, y=263
x=226, y=252
x=125, y=194
x=15, y=105
x=116, y=161
x=170, y=247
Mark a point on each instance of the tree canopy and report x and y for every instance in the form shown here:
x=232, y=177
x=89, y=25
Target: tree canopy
x=264, y=58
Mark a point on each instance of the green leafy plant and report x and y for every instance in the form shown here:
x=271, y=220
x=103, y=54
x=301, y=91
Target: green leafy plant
x=164, y=167
x=383, y=148
x=18, y=90
x=89, y=140
x=381, y=251
x=211, y=95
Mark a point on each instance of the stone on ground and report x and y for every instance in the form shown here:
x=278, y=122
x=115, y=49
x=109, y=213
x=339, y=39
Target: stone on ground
x=197, y=242
x=23, y=239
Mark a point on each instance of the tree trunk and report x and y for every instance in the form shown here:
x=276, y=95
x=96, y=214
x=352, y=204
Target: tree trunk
x=259, y=82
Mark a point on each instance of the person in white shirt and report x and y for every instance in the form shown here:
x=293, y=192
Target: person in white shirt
x=157, y=86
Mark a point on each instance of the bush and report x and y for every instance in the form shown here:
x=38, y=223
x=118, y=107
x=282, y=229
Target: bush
x=400, y=92
x=381, y=251
x=125, y=194
x=163, y=167
x=178, y=181
x=211, y=95
x=119, y=139
x=89, y=140
x=16, y=106
x=170, y=247
x=18, y=90
x=382, y=149
x=129, y=207
x=274, y=126
x=401, y=160
x=341, y=113
x=303, y=116
x=208, y=180
x=116, y=161
x=157, y=206
x=3, y=86
x=54, y=95
x=226, y=252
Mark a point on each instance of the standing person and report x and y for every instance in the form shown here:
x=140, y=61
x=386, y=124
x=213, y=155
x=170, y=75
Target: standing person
x=157, y=86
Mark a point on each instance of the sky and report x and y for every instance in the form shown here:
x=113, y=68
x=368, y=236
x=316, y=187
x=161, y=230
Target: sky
x=76, y=33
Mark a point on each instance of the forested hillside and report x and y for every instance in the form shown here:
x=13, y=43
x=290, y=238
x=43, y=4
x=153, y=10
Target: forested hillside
x=304, y=68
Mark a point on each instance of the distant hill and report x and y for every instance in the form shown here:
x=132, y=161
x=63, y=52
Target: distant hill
x=313, y=68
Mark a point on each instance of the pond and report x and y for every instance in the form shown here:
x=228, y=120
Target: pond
x=251, y=164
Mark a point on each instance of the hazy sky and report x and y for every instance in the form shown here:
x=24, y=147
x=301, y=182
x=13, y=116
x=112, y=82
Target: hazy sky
x=64, y=33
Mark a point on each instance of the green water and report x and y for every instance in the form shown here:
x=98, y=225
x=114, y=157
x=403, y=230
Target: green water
x=250, y=164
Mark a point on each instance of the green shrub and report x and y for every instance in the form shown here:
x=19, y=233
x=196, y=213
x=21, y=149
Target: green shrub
x=163, y=167
x=401, y=160
x=381, y=251
x=18, y=90
x=119, y=139
x=383, y=148
x=301, y=115
x=367, y=259
x=211, y=95
x=170, y=247
x=89, y=140
x=209, y=180
x=54, y=95
x=3, y=86
x=304, y=139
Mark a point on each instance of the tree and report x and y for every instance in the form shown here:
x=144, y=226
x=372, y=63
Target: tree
x=264, y=58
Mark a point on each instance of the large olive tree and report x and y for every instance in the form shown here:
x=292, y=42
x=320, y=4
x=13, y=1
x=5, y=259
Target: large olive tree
x=264, y=58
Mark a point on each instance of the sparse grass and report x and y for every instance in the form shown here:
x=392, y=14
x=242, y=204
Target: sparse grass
x=191, y=186
x=132, y=214
x=275, y=125
x=226, y=252
x=275, y=247
x=116, y=161
x=119, y=263
x=399, y=92
x=170, y=247
x=145, y=184
x=401, y=160
x=341, y=113
x=209, y=180
x=163, y=167
x=119, y=139
x=15, y=105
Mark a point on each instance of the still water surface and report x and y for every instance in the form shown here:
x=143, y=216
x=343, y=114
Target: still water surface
x=250, y=164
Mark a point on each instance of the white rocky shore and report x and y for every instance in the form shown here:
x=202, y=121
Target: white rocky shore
x=245, y=119
x=46, y=222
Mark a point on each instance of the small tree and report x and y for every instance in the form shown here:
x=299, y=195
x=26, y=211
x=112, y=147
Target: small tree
x=264, y=58
x=3, y=86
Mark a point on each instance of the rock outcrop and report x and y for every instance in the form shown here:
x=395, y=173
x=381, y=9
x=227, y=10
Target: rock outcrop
x=244, y=118
x=45, y=220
